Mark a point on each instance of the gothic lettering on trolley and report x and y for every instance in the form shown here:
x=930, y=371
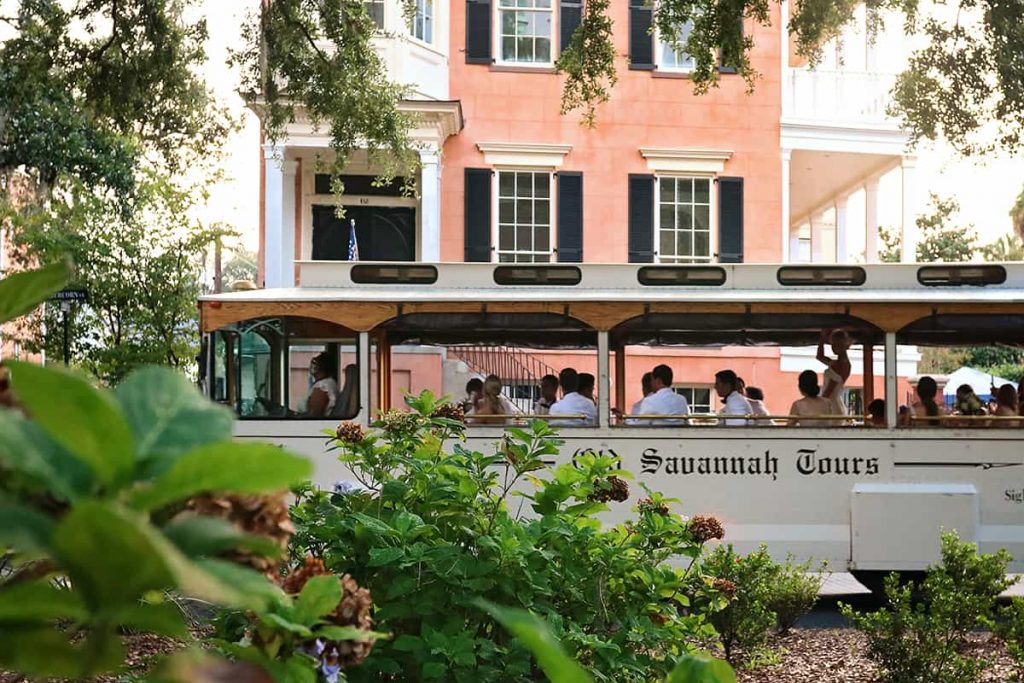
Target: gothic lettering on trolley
x=1015, y=496
x=808, y=463
x=601, y=452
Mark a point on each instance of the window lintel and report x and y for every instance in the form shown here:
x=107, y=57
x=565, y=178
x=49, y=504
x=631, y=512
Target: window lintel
x=699, y=161
x=531, y=155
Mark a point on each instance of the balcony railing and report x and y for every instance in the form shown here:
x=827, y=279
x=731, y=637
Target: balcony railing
x=838, y=96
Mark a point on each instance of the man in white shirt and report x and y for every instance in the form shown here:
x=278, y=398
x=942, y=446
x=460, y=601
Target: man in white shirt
x=572, y=402
x=662, y=400
x=726, y=386
x=548, y=395
x=645, y=387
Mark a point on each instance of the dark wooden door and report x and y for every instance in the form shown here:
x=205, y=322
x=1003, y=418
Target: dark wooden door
x=384, y=233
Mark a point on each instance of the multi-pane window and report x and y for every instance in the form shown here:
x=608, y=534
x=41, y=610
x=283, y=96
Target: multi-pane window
x=672, y=56
x=524, y=217
x=375, y=8
x=525, y=31
x=422, y=23
x=698, y=398
x=684, y=220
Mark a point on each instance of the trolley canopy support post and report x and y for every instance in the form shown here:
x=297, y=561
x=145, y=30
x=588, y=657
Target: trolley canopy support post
x=603, y=379
x=363, y=358
x=384, y=372
x=891, y=399
x=869, y=376
x=620, y=378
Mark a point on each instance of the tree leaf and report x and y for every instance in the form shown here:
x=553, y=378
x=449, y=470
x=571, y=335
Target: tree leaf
x=207, y=536
x=227, y=467
x=701, y=668
x=383, y=556
x=29, y=451
x=533, y=633
x=169, y=416
x=22, y=292
x=24, y=529
x=162, y=618
x=39, y=601
x=280, y=622
x=42, y=652
x=319, y=596
x=81, y=418
x=258, y=591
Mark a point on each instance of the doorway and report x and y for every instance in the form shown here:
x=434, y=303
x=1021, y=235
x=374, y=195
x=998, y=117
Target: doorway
x=383, y=233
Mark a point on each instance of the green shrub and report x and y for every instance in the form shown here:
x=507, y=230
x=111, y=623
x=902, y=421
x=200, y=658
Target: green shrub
x=747, y=619
x=1010, y=628
x=793, y=593
x=98, y=508
x=432, y=531
x=918, y=637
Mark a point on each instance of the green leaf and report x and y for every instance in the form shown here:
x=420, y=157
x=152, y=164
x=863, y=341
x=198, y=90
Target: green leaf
x=108, y=557
x=257, y=589
x=207, y=536
x=332, y=632
x=276, y=620
x=701, y=668
x=535, y=635
x=27, y=450
x=42, y=652
x=382, y=556
x=40, y=601
x=169, y=416
x=227, y=467
x=22, y=292
x=408, y=643
x=162, y=618
x=319, y=596
x=81, y=418
x=24, y=529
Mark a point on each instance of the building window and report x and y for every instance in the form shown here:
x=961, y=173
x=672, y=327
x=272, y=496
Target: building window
x=672, y=56
x=524, y=217
x=525, y=30
x=422, y=23
x=684, y=220
x=698, y=398
x=375, y=8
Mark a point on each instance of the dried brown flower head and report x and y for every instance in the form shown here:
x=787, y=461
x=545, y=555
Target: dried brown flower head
x=705, y=527
x=618, y=491
x=648, y=505
x=725, y=587
x=350, y=433
x=399, y=423
x=450, y=411
x=297, y=578
x=264, y=514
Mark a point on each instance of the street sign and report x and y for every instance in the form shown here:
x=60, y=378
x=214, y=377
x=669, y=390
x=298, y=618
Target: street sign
x=70, y=295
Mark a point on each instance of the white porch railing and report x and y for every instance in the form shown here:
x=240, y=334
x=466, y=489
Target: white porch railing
x=838, y=96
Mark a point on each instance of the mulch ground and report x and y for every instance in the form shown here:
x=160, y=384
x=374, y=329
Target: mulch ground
x=838, y=655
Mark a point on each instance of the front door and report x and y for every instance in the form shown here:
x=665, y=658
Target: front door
x=384, y=233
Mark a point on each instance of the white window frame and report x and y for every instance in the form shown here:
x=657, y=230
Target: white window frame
x=432, y=21
x=659, y=62
x=384, y=12
x=689, y=389
x=496, y=252
x=497, y=34
x=712, y=218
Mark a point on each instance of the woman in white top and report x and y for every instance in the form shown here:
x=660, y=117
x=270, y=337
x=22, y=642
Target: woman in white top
x=492, y=403
x=811, y=404
x=837, y=370
x=324, y=393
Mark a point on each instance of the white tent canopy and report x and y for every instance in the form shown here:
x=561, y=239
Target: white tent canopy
x=981, y=382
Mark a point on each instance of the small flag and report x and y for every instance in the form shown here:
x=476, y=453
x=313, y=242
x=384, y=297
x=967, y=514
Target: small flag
x=353, y=243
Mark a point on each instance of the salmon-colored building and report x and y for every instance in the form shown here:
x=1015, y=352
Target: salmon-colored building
x=786, y=173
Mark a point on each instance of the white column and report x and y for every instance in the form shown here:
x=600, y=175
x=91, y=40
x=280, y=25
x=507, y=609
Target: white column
x=871, y=221
x=909, y=232
x=365, y=409
x=842, y=249
x=817, y=241
x=604, y=383
x=891, y=399
x=430, y=207
x=279, y=207
x=786, y=226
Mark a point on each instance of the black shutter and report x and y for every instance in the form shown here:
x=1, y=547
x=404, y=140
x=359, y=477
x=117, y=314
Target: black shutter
x=728, y=59
x=641, y=218
x=478, y=31
x=641, y=40
x=478, y=214
x=569, y=18
x=730, y=220
x=570, y=217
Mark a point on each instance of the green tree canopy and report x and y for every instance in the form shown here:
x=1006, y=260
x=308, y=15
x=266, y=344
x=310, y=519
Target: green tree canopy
x=941, y=239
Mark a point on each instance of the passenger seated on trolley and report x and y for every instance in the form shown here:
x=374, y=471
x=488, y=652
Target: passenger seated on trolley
x=573, y=403
x=474, y=389
x=587, y=383
x=812, y=403
x=876, y=409
x=924, y=405
x=662, y=400
x=323, y=394
x=492, y=406
x=348, y=399
x=1006, y=406
x=756, y=398
x=548, y=395
x=645, y=389
x=726, y=383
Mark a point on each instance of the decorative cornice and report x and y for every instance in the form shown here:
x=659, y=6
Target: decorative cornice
x=685, y=160
x=537, y=154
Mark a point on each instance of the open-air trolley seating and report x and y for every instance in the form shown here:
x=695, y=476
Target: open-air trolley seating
x=859, y=494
